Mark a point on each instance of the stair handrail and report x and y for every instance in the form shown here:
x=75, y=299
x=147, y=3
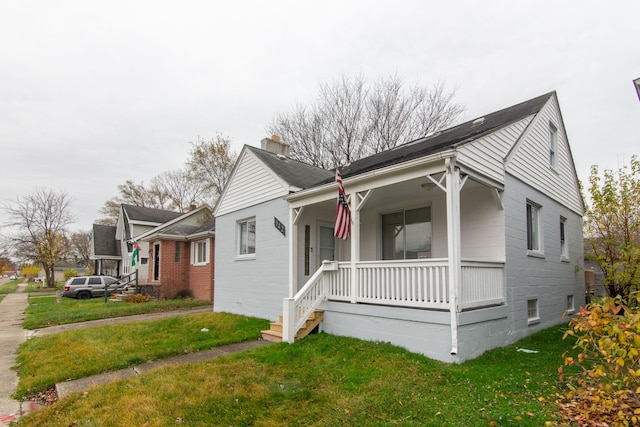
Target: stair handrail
x=128, y=278
x=295, y=313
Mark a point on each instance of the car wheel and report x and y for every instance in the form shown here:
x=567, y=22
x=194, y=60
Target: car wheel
x=84, y=295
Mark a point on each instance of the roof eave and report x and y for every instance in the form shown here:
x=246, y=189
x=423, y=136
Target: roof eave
x=359, y=178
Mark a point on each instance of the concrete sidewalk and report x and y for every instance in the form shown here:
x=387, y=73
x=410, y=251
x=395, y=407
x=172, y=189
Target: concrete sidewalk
x=12, y=309
x=11, y=336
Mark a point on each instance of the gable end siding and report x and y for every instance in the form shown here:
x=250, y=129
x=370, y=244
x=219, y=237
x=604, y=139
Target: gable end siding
x=529, y=161
x=487, y=154
x=251, y=184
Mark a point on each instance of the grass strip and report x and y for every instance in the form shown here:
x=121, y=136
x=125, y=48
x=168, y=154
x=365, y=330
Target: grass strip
x=44, y=311
x=9, y=287
x=44, y=361
x=328, y=380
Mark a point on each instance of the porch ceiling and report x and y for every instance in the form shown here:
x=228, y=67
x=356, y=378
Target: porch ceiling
x=401, y=192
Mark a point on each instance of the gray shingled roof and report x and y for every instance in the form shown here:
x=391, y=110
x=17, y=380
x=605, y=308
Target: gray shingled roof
x=181, y=230
x=160, y=216
x=295, y=173
x=446, y=139
x=104, y=241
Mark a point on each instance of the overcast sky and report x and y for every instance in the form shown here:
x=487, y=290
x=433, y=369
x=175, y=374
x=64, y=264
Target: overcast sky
x=95, y=93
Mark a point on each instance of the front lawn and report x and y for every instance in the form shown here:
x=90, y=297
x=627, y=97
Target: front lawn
x=328, y=380
x=43, y=311
x=44, y=361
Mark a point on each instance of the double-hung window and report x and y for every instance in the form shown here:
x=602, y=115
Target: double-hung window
x=564, y=250
x=200, y=252
x=534, y=235
x=533, y=314
x=247, y=237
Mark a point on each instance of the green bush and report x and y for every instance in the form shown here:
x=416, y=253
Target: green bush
x=184, y=294
x=69, y=273
x=606, y=389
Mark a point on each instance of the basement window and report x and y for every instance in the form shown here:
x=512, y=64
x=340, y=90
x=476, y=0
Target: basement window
x=533, y=315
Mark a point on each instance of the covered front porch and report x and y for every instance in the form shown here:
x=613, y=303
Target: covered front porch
x=428, y=236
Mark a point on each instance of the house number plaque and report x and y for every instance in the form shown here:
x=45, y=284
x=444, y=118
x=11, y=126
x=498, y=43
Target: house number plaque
x=280, y=226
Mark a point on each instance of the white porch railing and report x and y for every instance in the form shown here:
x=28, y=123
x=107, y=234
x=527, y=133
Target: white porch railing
x=482, y=284
x=408, y=283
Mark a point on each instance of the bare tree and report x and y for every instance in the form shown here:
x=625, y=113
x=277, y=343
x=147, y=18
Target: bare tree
x=182, y=189
x=41, y=219
x=350, y=120
x=210, y=162
x=79, y=251
x=133, y=194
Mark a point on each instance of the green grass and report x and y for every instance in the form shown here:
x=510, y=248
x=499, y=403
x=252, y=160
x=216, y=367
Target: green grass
x=37, y=287
x=328, y=380
x=44, y=311
x=44, y=361
x=9, y=287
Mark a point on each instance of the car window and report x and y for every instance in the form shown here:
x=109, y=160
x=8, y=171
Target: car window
x=95, y=281
x=78, y=281
x=110, y=280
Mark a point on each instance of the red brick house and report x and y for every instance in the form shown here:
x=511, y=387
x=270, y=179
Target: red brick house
x=181, y=254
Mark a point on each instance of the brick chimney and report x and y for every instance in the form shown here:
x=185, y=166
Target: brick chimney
x=275, y=145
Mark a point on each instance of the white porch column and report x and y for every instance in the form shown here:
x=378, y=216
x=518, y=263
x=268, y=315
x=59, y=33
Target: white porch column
x=355, y=245
x=453, y=245
x=288, y=304
x=294, y=216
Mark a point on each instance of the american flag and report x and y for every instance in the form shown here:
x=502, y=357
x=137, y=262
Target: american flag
x=343, y=214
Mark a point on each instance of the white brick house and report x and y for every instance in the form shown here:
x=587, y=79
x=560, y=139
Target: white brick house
x=461, y=241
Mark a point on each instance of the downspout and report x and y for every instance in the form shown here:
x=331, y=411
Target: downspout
x=453, y=245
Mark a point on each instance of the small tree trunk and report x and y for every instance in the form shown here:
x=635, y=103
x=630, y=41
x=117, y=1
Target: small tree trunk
x=51, y=278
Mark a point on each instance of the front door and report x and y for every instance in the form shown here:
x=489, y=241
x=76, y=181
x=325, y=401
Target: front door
x=326, y=244
x=156, y=262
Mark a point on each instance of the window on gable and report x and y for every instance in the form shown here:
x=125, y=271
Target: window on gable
x=247, y=237
x=200, y=252
x=553, y=146
x=564, y=250
x=534, y=236
x=407, y=234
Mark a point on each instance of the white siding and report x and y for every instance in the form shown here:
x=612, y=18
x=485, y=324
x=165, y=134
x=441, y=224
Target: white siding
x=487, y=154
x=482, y=225
x=251, y=183
x=255, y=286
x=529, y=161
